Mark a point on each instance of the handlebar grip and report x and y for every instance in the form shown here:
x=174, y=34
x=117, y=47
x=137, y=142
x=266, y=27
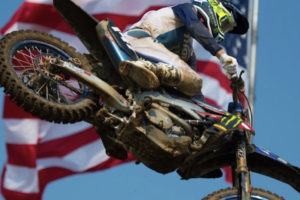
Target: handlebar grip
x=232, y=76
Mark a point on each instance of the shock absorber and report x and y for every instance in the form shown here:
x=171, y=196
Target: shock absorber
x=241, y=172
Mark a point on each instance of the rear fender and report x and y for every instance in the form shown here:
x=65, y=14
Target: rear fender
x=258, y=159
x=82, y=24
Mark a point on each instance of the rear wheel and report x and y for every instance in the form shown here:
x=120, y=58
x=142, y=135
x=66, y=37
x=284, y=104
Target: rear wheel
x=231, y=194
x=40, y=89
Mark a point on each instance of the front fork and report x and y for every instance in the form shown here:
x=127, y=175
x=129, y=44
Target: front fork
x=241, y=174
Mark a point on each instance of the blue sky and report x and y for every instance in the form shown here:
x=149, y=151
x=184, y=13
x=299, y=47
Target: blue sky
x=276, y=121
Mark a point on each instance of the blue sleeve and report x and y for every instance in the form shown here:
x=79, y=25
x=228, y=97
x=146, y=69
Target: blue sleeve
x=197, y=29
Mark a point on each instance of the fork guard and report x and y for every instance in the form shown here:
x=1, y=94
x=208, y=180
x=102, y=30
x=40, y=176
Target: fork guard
x=259, y=160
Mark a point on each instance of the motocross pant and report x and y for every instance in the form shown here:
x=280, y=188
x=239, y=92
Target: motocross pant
x=154, y=51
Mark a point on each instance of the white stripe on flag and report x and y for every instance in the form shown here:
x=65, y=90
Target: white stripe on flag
x=21, y=179
x=28, y=131
x=25, y=131
x=50, y=131
x=85, y=157
x=27, y=26
x=202, y=54
x=221, y=96
x=71, y=39
x=49, y=2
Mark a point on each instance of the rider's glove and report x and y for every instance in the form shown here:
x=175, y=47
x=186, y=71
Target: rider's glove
x=230, y=64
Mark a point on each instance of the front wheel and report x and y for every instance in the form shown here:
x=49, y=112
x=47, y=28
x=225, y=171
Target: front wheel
x=45, y=92
x=231, y=194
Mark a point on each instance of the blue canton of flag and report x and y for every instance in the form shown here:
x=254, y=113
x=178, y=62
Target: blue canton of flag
x=236, y=45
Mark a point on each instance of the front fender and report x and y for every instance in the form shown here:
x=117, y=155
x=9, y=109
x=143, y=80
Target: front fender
x=258, y=159
x=269, y=164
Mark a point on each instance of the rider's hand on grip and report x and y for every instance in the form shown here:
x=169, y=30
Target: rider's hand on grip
x=229, y=64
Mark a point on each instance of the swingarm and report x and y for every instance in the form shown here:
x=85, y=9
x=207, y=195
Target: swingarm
x=108, y=93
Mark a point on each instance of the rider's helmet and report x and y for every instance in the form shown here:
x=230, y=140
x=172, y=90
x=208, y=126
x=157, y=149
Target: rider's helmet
x=220, y=17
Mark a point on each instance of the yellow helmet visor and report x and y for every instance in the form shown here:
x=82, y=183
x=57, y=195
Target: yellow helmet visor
x=225, y=18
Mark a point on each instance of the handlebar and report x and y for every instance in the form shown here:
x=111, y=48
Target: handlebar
x=237, y=86
x=238, y=95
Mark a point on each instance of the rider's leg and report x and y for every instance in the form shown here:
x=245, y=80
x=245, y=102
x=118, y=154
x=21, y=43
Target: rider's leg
x=176, y=73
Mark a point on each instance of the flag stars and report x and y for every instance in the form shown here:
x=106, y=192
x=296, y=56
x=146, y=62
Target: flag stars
x=243, y=10
x=236, y=1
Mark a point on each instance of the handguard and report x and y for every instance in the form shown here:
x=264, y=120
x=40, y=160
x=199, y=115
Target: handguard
x=217, y=131
x=227, y=123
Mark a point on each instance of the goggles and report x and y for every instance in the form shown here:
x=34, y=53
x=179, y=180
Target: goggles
x=225, y=18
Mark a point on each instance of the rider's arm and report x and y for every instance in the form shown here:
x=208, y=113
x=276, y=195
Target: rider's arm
x=220, y=53
x=187, y=14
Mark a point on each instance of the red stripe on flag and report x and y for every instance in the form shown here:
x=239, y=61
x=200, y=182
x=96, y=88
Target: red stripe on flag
x=228, y=174
x=12, y=111
x=212, y=102
x=51, y=174
x=38, y=14
x=33, y=13
x=21, y=155
x=63, y=146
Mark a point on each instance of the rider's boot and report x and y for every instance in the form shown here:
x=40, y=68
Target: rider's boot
x=140, y=72
x=149, y=76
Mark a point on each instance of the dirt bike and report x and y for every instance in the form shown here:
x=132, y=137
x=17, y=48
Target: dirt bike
x=162, y=128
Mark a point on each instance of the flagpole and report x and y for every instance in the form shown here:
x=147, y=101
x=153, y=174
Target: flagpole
x=253, y=15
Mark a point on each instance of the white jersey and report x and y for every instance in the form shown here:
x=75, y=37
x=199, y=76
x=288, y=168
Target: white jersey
x=159, y=22
x=164, y=26
x=175, y=27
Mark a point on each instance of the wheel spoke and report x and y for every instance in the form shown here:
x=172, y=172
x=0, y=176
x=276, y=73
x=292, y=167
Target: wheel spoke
x=21, y=61
x=38, y=86
x=45, y=82
x=26, y=56
x=42, y=86
x=32, y=55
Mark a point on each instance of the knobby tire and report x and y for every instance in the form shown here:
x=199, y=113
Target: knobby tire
x=231, y=192
x=26, y=97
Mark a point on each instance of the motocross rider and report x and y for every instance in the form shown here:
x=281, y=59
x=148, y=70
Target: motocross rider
x=165, y=36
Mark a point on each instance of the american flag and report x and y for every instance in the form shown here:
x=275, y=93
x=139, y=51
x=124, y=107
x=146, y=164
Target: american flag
x=39, y=152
